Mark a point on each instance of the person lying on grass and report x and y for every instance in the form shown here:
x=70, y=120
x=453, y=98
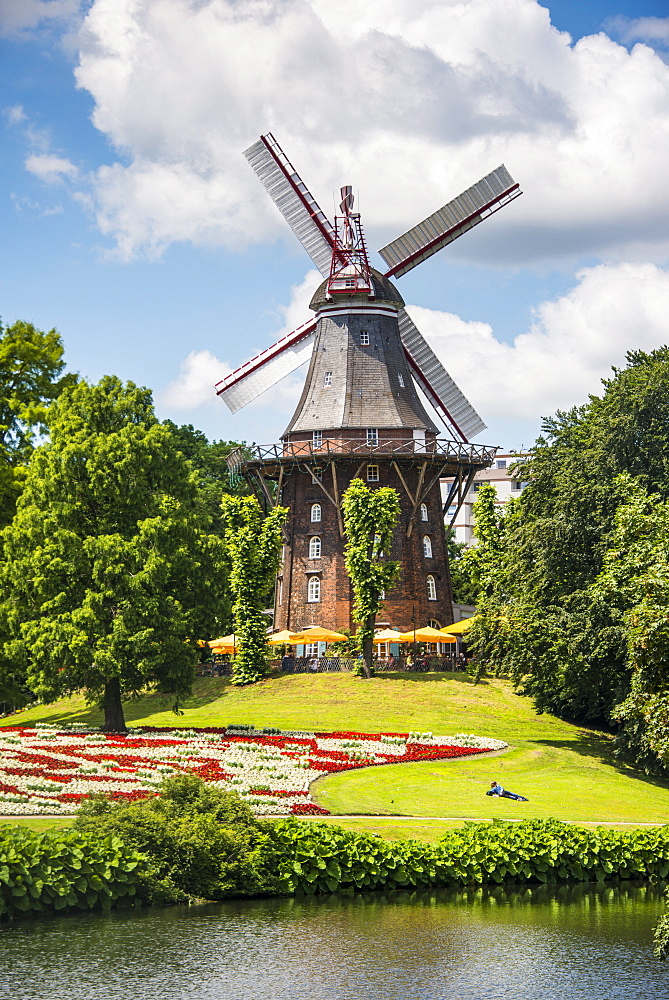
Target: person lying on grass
x=496, y=789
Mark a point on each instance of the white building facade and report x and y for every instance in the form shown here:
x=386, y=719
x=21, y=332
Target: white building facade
x=498, y=475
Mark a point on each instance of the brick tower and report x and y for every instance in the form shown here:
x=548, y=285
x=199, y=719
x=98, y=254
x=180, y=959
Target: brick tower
x=360, y=415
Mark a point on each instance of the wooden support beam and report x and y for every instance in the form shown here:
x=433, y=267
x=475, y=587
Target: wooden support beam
x=340, y=521
x=412, y=517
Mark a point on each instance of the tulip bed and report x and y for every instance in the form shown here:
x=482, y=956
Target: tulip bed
x=50, y=770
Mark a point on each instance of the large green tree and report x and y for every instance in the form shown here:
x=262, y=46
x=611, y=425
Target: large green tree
x=370, y=520
x=31, y=376
x=253, y=542
x=109, y=566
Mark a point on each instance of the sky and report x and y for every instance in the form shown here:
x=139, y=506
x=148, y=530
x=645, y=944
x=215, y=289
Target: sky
x=132, y=223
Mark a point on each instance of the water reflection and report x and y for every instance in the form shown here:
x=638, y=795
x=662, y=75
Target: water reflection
x=484, y=944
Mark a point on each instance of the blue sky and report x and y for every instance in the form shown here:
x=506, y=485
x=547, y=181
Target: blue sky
x=132, y=223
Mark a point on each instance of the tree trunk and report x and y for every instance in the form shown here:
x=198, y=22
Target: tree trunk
x=368, y=646
x=111, y=702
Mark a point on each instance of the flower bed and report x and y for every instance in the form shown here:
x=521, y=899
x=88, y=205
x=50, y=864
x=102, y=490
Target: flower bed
x=49, y=770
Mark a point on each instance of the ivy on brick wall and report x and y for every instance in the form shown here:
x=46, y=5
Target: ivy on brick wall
x=253, y=543
x=370, y=519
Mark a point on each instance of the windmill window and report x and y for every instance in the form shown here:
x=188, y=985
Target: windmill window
x=400, y=379
x=378, y=552
x=423, y=512
x=372, y=435
x=372, y=473
x=317, y=439
x=433, y=623
x=314, y=590
x=427, y=546
x=327, y=378
x=315, y=547
x=315, y=512
x=280, y=601
x=316, y=474
x=364, y=337
x=431, y=589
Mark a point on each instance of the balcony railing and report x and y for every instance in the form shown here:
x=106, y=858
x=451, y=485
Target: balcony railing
x=306, y=451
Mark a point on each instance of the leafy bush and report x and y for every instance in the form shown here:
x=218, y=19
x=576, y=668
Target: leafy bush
x=200, y=841
x=51, y=872
x=318, y=858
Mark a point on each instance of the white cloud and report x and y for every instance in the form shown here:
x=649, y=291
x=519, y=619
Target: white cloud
x=571, y=345
x=50, y=168
x=411, y=103
x=17, y=16
x=15, y=114
x=194, y=386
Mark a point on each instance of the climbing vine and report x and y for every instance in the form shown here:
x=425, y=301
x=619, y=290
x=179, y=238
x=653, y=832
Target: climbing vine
x=370, y=519
x=253, y=543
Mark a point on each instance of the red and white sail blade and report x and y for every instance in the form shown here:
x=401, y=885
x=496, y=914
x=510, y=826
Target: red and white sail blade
x=457, y=217
x=450, y=403
x=262, y=372
x=293, y=199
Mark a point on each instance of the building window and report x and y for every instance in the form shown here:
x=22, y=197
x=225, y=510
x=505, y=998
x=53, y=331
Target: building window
x=280, y=592
x=427, y=546
x=372, y=436
x=501, y=464
x=316, y=474
x=476, y=487
x=315, y=547
x=314, y=590
x=431, y=589
x=372, y=473
x=423, y=512
x=516, y=485
x=327, y=378
x=317, y=439
x=311, y=649
x=400, y=379
x=364, y=337
x=315, y=512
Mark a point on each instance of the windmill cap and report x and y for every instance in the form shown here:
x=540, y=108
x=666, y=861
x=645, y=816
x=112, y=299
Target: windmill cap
x=384, y=291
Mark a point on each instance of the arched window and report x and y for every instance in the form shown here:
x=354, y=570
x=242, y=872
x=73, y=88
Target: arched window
x=315, y=512
x=315, y=547
x=427, y=546
x=314, y=590
x=423, y=512
x=431, y=589
x=433, y=623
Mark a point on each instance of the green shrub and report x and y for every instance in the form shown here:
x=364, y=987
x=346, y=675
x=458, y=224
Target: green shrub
x=201, y=841
x=59, y=871
x=318, y=858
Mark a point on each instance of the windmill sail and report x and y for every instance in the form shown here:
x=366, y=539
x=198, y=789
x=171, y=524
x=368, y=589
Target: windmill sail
x=293, y=199
x=449, y=402
x=457, y=217
x=267, y=368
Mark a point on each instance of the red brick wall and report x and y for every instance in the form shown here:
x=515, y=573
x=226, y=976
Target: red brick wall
x=408, y=597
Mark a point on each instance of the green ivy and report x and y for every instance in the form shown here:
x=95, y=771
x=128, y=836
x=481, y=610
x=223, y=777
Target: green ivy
x=253, y=542
x=370, y=519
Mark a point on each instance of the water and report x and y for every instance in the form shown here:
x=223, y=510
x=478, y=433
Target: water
x=539, y=944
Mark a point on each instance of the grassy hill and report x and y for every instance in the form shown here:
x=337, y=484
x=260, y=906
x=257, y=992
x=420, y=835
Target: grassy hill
x=567, y=771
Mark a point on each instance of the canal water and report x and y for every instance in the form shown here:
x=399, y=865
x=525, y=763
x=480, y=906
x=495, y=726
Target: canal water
x=565, y=943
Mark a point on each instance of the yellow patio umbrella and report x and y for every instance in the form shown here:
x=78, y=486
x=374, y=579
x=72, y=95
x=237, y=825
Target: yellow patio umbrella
x=315, y=633
x=427, y=634
x=460, y=627
x=227, y=644
x=387, y=635
x=283, y=638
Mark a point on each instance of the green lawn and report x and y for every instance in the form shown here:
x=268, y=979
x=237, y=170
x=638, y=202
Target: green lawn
x=566, y=771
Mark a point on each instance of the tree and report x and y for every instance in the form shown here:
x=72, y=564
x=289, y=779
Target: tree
x=109, y=562
x=209, y=460
x=253, y=541
x=31, y=366
x=370, y=519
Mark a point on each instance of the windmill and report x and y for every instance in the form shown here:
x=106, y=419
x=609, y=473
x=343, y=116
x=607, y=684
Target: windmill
x=359, y=409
